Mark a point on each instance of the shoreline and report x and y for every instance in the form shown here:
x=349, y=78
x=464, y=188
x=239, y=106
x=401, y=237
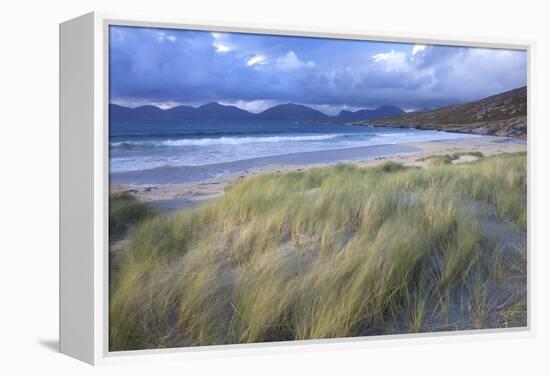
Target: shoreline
x=189, y=174
x=171, y=197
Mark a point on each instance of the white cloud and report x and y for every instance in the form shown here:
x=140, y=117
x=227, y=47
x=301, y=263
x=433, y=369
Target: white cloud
x=256, y=59
x=221, y=48
x=165, y=105
x=286, y=62
x=160, y=104
x=256, y=106
x=392, y=60
x=291, y=60
x=220, y=44
x=334, y=109
x=418, y=48
x=162, y=36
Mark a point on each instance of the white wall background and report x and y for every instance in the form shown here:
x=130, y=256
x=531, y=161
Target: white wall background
x=29, y=183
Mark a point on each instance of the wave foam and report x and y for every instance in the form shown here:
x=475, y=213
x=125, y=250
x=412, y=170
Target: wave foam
x=394, y=134
x=225, y=141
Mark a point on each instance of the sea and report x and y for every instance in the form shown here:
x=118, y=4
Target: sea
x=208, y=149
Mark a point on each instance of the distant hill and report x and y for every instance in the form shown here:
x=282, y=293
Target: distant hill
x=117, y=111
x=381, y=112
x=147, y=112
x=293, y=112
x=216, y=111
x=504, y=114
x=179, y=112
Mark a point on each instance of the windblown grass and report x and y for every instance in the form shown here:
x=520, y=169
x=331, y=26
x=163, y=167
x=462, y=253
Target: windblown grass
x=333, y=252
x=126, y=211
x=444, y=159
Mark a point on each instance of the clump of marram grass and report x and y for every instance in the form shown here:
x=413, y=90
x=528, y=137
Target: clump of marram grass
x=391, y=166
x=457, y=155
x=126, y=211
x=445, y=159
x=331, y=252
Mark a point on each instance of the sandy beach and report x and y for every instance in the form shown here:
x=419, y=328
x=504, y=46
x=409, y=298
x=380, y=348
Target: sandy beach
x=174, y=196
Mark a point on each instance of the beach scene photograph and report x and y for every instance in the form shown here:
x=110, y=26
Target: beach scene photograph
x=272, y=188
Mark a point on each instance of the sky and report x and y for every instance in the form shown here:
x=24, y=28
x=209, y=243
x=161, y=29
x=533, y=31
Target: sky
x=170, y=67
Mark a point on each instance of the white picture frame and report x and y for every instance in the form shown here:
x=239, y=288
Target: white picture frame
x=84, y=191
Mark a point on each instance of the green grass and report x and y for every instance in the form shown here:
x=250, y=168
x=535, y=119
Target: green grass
x=333, y=252
x=445, y=159
x=126, y=211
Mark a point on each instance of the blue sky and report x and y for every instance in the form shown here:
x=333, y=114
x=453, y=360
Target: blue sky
x=168, y=67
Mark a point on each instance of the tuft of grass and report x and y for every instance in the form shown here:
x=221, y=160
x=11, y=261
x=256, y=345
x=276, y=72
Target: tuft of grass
x=438, y=160
x=441, y=160
x=126, y=211
x=331, y=252
x=390, y=167
x=457, y=155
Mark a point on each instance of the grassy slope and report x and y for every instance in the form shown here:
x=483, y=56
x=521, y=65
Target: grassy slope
x=331, y=252
x=504, y=114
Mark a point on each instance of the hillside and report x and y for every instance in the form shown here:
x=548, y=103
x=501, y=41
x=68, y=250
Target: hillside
x=504, y=114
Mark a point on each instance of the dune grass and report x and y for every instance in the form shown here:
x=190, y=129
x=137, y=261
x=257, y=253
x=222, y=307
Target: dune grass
x=444, y=159
x=126, y=211
x=332, y=252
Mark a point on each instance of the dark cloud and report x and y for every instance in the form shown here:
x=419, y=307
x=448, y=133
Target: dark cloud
x=176, y=66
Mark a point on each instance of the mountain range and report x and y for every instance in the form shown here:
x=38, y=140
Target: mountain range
x=216, y=111
x=503, y=114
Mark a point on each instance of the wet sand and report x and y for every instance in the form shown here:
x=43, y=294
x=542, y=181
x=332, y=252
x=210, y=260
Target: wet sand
x=173, y=189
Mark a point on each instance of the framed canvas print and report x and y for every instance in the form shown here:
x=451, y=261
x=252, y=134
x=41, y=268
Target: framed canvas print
x=233, y=188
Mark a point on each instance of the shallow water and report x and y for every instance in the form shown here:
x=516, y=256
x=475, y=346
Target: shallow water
x=138, y=146
x=186, y=174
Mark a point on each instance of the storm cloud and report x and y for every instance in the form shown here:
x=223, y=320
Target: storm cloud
x=168, y=67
